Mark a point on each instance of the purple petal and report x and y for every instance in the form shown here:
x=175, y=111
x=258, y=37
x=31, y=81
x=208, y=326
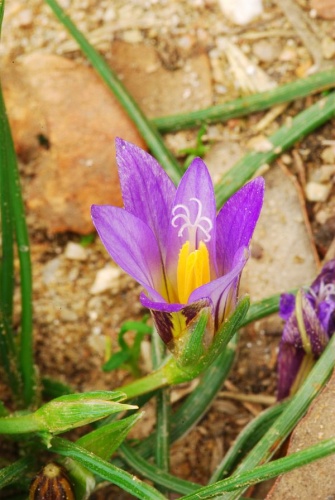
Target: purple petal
x=317, y=335
x=147, y=190
x=236, y=222
x=286, y=305
x=326, y=276
x=194, y=201
x=223, y=291
x=289, y=362
x=131, y=244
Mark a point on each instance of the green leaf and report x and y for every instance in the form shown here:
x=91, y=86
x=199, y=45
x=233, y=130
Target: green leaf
x=106, y=470
x=13, y=472
x=116, y=360
x=106, y=439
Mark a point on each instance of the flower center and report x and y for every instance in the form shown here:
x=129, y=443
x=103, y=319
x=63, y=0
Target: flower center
x=192, y=271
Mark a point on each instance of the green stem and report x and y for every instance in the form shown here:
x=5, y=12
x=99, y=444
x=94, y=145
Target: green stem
x=249, y=104
x=147, y=129
x=19, y=424
x=162, y=448
x=300, y=126
x=264, y=472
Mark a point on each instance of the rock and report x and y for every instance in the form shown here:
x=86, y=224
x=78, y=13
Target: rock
x=74, y=251
x=266, y=51
x=106, y=279
x=50, y=271
x=65, y=120
x=317, y=479
x=68, y=315
x=317, y=192
x=241, y=12
x=157, y=90
x=324, y=8
x=328, y=154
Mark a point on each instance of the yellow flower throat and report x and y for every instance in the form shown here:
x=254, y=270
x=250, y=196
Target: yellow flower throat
x=193, y=270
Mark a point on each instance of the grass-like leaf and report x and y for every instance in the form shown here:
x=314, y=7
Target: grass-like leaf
x=300, y=126
x=249, y=104
x=106, y=470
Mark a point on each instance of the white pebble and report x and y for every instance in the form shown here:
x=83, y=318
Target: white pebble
x=241, y=12
x=105, y=279
x=74, y=251
x=317, y=192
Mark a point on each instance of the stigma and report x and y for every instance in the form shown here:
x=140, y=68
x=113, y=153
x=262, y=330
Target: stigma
x=193, y=270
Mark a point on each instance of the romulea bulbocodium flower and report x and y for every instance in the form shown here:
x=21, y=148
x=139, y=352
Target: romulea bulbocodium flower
x=51, y=483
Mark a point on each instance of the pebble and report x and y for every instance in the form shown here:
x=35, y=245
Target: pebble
x=105, y=279
x=241, y=12
x=328, y=154
x=317, y=192
x=68, y=315
x=265, y=51
x=323, y=174
x=50, y=270
x=74, y=251
x=25, y=18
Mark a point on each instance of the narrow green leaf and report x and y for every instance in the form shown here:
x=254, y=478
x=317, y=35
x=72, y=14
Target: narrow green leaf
x=300, y=126
x=13, y=472
x=249, y=104
x=156, y=474
x=246, y=440
x=106, y=439
x=106, y=470
x=267, y=471
x=296, y=408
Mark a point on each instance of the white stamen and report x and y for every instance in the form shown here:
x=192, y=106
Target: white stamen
x=200, y=221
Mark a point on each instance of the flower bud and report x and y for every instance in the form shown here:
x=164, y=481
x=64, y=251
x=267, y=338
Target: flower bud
x=51, y=483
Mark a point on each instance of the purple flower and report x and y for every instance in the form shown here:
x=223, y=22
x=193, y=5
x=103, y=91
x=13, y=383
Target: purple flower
x=187, y=258
x=310, y=322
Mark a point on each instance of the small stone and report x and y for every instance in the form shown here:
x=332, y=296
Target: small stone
x=260, y=143
x=317, y=192
x=68, y=315
x=25, y=18
x=241, y=12
x=50, y=270
x=74, y=251
x=328, y=154
x=265, y=51
x=132, y=36
x=323, y=174
x=106, y=279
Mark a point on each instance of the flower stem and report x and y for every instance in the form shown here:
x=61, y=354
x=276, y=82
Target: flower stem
x=249, y=104
x=162, y=448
